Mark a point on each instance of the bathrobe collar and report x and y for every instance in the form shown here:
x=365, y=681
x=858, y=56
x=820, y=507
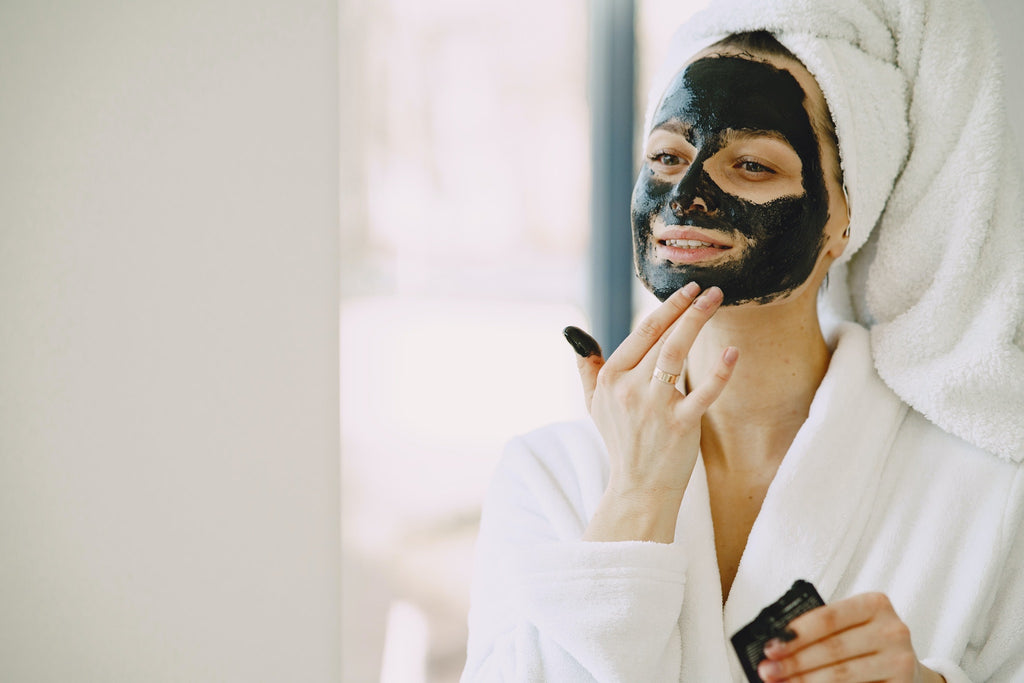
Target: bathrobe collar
x=820, y=499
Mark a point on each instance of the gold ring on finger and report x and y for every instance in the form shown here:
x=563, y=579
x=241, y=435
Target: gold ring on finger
x=665, y=377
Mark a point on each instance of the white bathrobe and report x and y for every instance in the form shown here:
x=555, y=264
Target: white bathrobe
x=870, y=497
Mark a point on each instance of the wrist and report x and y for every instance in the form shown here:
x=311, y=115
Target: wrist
x=635, y=515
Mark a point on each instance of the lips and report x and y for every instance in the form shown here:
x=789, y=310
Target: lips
x=688, y=245
x=690, y=234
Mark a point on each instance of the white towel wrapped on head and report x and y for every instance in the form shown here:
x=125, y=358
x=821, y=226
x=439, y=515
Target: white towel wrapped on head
x=935, y=263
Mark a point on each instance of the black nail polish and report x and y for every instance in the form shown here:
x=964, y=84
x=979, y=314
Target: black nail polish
x=582, y=343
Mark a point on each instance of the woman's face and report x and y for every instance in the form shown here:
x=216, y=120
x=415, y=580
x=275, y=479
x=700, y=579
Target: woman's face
x=732, y=192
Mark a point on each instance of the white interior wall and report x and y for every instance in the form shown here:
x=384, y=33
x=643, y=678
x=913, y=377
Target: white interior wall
x=168, y=341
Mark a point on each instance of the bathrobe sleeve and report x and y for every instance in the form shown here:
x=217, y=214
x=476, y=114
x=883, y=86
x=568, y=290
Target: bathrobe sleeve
x=995, y=653
x=547, y=606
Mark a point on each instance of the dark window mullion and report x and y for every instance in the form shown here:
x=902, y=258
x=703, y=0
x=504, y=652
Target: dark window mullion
x=611, y=87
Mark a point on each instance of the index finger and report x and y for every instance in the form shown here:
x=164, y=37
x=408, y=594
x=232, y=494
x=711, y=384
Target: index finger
x=633, y=349
x=824, y=621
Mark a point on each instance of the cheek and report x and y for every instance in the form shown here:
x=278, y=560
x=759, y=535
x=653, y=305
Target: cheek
x=792, y=239
x=755, y=221
x=649, y=195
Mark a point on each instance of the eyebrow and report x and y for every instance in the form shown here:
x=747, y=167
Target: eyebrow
x=739, y=134
x=678, y=127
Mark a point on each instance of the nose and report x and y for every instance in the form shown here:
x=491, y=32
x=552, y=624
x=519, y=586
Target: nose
x=693, y=191
x=679, y=209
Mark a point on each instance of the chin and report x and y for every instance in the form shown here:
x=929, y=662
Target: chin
x=663, y=278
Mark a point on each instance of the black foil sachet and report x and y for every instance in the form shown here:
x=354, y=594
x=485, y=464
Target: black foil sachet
x=750, y=640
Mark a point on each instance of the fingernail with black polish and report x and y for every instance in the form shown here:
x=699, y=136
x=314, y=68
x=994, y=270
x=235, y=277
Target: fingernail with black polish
x=582, y=343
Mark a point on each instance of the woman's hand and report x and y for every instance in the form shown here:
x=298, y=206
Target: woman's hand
x=856, y=639
x=651, y=428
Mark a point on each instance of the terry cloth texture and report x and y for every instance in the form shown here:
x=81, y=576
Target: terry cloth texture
x=935, y=263
x=887, y=502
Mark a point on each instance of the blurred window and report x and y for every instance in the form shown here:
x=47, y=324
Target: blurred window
x=465, y=175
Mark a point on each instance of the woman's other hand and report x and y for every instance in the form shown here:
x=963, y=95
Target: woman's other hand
x=650, y=427
x=856, y=639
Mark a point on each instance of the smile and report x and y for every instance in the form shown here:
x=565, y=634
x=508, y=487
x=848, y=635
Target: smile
x=688, y=250
x=691, y=244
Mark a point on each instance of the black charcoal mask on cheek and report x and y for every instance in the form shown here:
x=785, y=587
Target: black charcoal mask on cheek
x=784, y=236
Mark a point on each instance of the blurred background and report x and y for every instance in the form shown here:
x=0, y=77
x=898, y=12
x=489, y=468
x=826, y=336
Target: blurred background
x=212, y=211
x=466, y=225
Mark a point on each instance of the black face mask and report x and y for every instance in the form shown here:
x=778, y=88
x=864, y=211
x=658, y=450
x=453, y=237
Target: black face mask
x=785, y=236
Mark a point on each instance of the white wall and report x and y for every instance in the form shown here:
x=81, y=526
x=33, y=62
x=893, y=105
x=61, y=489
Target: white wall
x=168, y=341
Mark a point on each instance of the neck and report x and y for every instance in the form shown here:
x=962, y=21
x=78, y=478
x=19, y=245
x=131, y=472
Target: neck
x=783, y=358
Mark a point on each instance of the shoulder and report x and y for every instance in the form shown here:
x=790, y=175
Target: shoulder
x=551, y=478
x=565, y=454
x=976, y=493
x=923, y=441
x=575, y=443
x=917, y=440
x=926, y=472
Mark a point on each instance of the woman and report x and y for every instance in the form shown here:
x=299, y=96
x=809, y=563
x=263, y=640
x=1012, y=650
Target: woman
x=736, y=447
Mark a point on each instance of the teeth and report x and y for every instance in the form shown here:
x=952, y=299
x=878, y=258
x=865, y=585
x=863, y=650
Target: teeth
x=688, y=244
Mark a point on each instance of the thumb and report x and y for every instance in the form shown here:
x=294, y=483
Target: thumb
x=588, y=359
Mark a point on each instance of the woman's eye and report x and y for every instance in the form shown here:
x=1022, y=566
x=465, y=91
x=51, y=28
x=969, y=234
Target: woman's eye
x=665, y=159
x=754, y=167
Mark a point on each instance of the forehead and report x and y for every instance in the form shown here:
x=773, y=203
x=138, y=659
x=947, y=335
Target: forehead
x=714, y=94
